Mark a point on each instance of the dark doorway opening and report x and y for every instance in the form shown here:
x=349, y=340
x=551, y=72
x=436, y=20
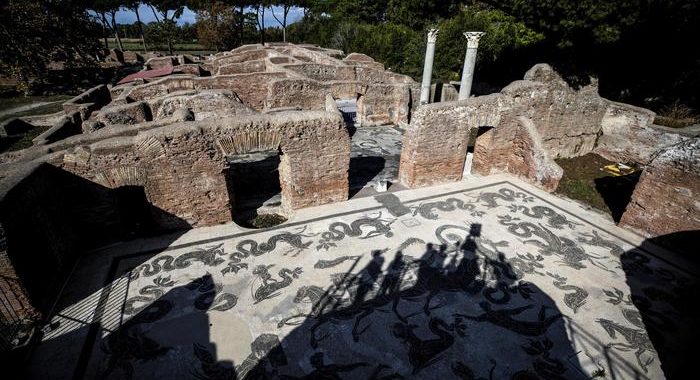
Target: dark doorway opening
x=617, y=192
x=254, y=189
x=134, y=211
x=363, y=170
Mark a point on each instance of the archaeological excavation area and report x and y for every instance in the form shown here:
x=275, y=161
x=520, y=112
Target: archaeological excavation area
x=289, y=211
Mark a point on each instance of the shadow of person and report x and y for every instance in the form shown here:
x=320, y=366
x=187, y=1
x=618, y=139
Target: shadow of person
x=484, y=322
x=665, y=297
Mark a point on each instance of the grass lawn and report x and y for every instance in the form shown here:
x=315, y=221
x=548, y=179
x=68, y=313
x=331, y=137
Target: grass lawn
x=134, y=44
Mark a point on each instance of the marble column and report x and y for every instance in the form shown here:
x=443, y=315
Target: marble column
x=465, y=87
x=428, y=67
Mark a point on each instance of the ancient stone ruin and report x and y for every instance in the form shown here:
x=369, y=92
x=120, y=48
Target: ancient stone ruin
x=192, y=142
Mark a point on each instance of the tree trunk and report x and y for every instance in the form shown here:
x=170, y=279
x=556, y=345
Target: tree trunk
x=284, y=24
x=241, y=25
x=262, y=27
x=138, y=20
x=104, y=34
x=116, y=31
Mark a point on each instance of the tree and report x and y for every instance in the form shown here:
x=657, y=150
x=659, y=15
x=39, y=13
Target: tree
x=260, y=20
x=167, y=22
x=36, y=32
x=105, y=8
x=134, y=5
x=215, y=26
x=286, y=6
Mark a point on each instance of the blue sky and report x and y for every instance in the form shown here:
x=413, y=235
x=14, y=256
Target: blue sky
x=128, y=16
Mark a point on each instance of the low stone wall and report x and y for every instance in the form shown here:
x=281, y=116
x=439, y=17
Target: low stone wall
x=384, y=104
x=667, y=196
x=306, y=94
x=89, y=101
x=69, y=125
x=251, y=88
x=242, y=68
x=321, y=72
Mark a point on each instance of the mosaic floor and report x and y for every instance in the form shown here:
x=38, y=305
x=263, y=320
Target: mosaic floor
x=484, y=279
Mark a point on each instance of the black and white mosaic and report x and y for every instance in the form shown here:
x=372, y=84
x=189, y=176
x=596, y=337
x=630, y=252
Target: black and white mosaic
x=494, y=283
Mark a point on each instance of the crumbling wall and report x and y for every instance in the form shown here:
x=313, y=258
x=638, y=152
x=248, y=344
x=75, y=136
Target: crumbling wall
x=87, y=102
x=66, y=126
x=568, y=120
x=384, y=104
x=241, y=67
x=180, y=165
x=322, y=72
x=204, y=104
x=514, y=146
x=307, y=94
x=435, y=143
x=627, y=135
x=667, y=196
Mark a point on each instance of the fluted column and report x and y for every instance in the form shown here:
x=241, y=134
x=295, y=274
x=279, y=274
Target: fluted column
x=428, y=66
x=465, y=87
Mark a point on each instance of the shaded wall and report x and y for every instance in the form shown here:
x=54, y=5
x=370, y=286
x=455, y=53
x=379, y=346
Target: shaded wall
x=667, y=196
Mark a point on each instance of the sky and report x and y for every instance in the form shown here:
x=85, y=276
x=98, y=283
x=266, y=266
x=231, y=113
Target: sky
x=188, y=16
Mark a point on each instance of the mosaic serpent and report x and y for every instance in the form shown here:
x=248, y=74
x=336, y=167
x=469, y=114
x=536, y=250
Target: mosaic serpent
x=489, y=198
x=569, y=253
x=554, y=219
x=147, y=294
x=250, y=247
x=270, y=286
x=209, y=256
x=450, y=204
x=339, y=230
x=124, y=346
x=424, y=352
x=504, y=318
x=212, y=297
x=573, y=300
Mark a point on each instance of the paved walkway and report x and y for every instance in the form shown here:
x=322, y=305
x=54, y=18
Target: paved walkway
x=486, y=278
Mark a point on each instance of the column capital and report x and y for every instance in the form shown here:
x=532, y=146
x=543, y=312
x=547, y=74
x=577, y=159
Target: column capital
x=473, y=39
x=432, y=35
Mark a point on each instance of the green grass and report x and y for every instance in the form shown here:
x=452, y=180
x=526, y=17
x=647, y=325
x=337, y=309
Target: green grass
x=134, y=44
